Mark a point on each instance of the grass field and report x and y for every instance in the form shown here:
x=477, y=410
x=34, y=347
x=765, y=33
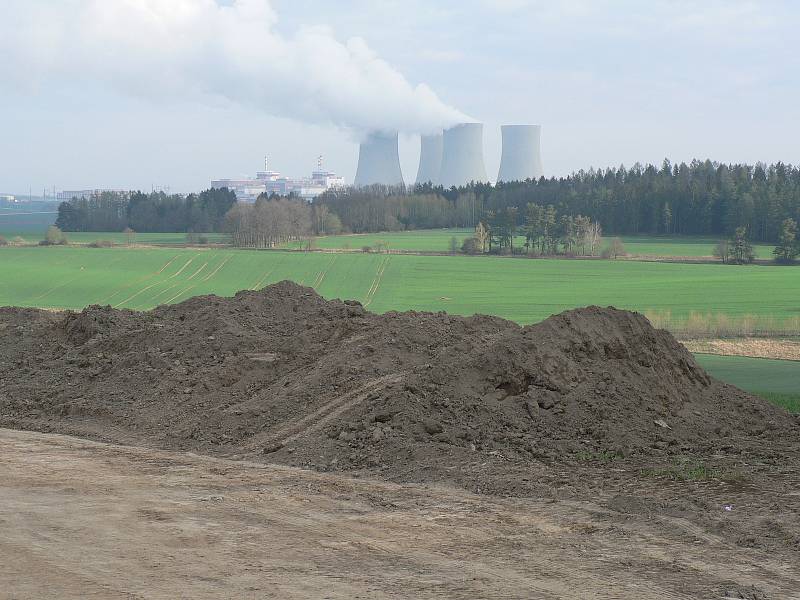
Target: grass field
x=776, y=380
x=81, y=237
x=428, y=240
x=522, y=290
x=438, y=240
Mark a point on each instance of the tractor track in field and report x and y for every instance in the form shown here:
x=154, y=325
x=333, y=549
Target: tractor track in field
x=68, y=282
x=376, y=282
x=224, y=262
x=121, y=288
x=321, y=277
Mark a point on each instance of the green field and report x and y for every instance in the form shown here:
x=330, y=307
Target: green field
x=522, y=290
x=438, y=240
x=82, y=237
x=775, y=380
x=428, y=240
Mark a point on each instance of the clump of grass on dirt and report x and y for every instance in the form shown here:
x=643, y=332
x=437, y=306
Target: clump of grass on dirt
x=689, y=470
x=697, y=472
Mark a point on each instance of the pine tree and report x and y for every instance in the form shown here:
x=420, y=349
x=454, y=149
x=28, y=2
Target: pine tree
x=787, y=249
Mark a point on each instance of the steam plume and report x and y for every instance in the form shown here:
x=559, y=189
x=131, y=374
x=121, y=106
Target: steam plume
x=202, y=50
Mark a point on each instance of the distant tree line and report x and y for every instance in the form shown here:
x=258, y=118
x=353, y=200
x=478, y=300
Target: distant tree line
x=155, y=212
x=272, y=221
x=699, y=198
x=546, y=233
x=380, y=208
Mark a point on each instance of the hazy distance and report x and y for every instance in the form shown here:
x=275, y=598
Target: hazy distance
x=87, y=103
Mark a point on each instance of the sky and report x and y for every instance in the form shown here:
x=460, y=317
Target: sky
x=135, y=94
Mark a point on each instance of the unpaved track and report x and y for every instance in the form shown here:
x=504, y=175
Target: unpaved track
x=82, y=519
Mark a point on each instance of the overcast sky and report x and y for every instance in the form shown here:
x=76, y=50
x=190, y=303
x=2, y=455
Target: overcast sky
x=610, y=81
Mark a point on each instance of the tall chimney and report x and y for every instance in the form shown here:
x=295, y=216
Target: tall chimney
x=462, y=155
x=522, y=153
x=379, y=160
x=430, y=159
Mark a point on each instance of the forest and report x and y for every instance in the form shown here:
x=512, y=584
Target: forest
x=156, y=212
x=700, y=198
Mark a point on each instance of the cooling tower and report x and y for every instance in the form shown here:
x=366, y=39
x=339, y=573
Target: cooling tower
x=378, y=160
x=522, y=153
x=462, y=155
x=430, y=159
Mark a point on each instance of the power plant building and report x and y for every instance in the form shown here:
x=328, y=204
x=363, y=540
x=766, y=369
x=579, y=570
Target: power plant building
x=272, y=182
x=379, y=160
x=462, y=155
x=430, y=159
x=522, y=153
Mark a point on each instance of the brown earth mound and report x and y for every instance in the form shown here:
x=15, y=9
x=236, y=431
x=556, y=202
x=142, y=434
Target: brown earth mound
x=286, y=376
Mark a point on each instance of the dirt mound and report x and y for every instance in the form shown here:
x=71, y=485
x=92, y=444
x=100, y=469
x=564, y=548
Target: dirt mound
x=287, y=376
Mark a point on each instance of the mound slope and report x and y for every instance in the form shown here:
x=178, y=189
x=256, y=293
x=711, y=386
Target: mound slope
x=283, y=375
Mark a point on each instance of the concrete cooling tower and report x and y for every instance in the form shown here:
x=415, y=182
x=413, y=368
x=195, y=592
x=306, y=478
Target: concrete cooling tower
x=379, y=160
x=430, y=159
x=462, y=155
x=522, y=153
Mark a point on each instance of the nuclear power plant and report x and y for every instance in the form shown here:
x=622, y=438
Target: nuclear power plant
x=453, y=157
x=430, y=159
x=379, y=160
x=462, y=155
x=522, y=154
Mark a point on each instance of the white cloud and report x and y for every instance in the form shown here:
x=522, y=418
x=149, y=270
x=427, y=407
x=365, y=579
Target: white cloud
x=199, y=49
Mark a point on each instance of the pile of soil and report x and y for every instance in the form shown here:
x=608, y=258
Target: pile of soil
x=285, y=376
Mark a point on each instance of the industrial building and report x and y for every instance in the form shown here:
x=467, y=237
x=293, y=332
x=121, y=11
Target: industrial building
x=430, y=159
x=272, y=182
x=379, y=160
x=67, y=195
x=522, y=153
x=453, y=157
x=462, y=155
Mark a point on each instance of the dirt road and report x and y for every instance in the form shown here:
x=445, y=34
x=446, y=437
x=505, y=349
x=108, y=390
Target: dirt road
x=81, y=519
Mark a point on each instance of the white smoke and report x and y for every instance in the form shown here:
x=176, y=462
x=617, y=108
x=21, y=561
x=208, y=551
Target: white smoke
x=204, y=51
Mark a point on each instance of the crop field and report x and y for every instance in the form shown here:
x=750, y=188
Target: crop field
x=775, y=380
x=439, y=240
x=522, y=290
x=425, y=240
x=117, y=237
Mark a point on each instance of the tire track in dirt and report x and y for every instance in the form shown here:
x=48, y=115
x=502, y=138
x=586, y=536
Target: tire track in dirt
x=323, y=415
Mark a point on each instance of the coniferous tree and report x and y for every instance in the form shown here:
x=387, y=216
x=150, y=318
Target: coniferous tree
x=787, y=249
